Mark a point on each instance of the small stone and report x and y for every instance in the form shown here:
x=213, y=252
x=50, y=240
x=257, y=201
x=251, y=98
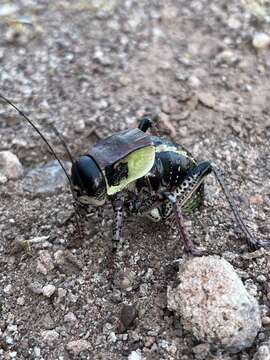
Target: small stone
x=7, y=289
x=13, y=354
x=194, y=82
x=45, y=263
x=37, y=351
x=261, y=278
x=77, y=346
x=3, y=179
x=8, y=9
x=263, y=352
x=79, y=126
x=125, y=283
x=112, y=337
x=234, y=23
x=135, y=355
x=127, y=316
x=9, y=340
x=10, y=166
x=256, y=200
x=61, y=293
x=227, y=57
x=46, y=178
x=149, y=341
x=266, y=320
x=36, y=287
x=201, y=351
x=70, y=317
x=124, y=80
x=48, y=290
x=261, y=40
x=50, y=336
x=21, y=300
x=207, y=99
x=214, y=305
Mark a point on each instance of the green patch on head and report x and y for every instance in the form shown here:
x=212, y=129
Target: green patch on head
x=139, y=163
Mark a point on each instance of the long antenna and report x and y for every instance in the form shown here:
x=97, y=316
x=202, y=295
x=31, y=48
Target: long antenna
x=54, y=154
x=40, y=134
x=60, y=137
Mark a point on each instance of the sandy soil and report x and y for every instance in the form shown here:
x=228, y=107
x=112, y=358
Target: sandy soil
x=92, y=68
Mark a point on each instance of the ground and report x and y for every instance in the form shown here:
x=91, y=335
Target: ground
x=92, y=68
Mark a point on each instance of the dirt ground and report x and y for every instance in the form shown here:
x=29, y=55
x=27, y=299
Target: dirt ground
x=92, y=68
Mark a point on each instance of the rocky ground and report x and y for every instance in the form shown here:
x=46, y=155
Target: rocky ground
x=92, y=68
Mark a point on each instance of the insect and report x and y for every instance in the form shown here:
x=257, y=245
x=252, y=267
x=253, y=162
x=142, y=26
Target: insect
x=142, y=174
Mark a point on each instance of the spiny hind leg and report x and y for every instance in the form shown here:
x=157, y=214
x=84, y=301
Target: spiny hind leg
x=188, y=243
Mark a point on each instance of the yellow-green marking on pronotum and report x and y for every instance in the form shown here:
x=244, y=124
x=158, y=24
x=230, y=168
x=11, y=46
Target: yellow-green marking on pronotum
x=140, y=162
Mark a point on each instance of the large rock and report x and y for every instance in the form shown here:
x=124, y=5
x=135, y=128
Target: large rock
x=214, y=304
x=10, y=166
x=46, y=178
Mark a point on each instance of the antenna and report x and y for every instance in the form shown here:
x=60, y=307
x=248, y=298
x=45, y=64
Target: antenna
x=42, y=136
x=53, y=152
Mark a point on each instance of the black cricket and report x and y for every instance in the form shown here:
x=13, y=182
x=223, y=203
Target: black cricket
x=143, y=175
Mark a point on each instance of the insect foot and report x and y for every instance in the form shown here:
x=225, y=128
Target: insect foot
x=214, y=305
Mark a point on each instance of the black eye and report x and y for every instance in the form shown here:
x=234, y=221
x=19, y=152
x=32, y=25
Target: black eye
x=88, y=178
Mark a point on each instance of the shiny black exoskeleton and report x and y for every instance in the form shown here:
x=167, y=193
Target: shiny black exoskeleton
x=172, y=184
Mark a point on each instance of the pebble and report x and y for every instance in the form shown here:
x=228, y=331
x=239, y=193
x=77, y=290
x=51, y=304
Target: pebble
x=50, y=336
x=79, y=126
x=7, y=289
x=127, y=316
x=3, y=179
x=48, y=290
x=70, y=317
x=194, y=82
x=227, y=57
x=263, y=352
x=77, y=346
x=256, y=199
x=261, y=278
x=207, y=99
x=234, y=23
x=36, y=288
x=10, y=166
x=261, y=40
x=135, y=355
x=201, y=351
x=45, y=263
x=214, y=305
x=21, y=300
x=8, y=9
x=46, y=178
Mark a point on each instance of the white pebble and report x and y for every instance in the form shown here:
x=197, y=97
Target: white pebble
x=79, y=126
x=135, y=355
x=48, y=290
x=214, y=305
x=261, y=40
x=10, y=166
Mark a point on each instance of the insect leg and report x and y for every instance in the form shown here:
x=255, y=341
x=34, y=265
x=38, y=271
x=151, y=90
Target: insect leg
x=118, y=204
x=188, y=243
x=251, y=241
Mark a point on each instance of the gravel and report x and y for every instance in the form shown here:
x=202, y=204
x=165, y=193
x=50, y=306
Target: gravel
x=91, y=68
